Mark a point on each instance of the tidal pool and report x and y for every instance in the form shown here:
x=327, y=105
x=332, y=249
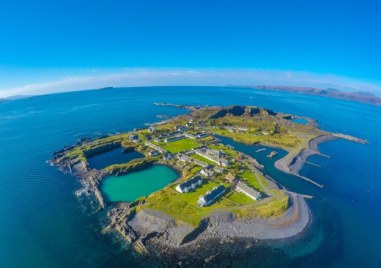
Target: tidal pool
x=133, y=185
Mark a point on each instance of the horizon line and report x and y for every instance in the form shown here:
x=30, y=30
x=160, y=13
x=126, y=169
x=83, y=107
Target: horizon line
x=194, y=77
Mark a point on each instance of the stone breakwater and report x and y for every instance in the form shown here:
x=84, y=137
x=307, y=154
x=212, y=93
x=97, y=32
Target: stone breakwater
x=292, y=164
x=299, y=160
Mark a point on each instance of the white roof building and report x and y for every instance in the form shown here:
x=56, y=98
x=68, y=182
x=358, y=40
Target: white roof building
x=247, y=190
x=189, y=185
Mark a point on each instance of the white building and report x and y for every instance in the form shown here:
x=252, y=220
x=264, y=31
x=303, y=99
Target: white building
x=214, y=156
x=248, y=191
x=189, y=185
x=207, y=172
x=211, y=196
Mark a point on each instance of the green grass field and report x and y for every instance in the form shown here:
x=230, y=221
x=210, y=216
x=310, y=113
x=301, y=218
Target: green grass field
x=251, y=180
x=239, y=198
x=184, y=206
x=284, y=139
x=180, y=145
x=203, y=159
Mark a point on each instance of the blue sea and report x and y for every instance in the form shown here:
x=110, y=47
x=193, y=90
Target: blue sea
x=43, y=224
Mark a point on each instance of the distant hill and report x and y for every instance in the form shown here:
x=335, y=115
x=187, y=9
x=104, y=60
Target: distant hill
x=241, y=111
x=364, y=97
x=16, y=97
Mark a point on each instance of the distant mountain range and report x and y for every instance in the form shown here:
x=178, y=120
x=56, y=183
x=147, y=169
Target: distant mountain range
x=364, y=97
x=359, y=96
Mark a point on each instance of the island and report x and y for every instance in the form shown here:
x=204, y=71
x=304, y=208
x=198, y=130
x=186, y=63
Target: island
x=219, y=193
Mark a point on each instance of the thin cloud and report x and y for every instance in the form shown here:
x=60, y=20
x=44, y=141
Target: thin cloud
x=172, y=77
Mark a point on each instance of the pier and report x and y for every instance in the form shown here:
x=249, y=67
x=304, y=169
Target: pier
x=308, y=180
x=350, y=138
x=313, y=164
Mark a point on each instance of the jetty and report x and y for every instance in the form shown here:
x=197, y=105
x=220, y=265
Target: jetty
x=307, y=179
x=313, y=164
x=350, y=138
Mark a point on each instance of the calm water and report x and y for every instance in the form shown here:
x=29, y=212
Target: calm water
x=300, y=121
x=43, y=224
x=133, y=185
x=116, y=156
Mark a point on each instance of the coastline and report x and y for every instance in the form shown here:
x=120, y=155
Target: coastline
x=162, y=236
x=146, y=228
x=153, y=232
x=293, y=163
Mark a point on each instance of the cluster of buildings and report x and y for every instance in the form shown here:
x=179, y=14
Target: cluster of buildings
x=155, y=147
x=237, y=129
x=134, y=138
x=215, y=156
x=189, y=185
x=211, y=196
x=195, y=136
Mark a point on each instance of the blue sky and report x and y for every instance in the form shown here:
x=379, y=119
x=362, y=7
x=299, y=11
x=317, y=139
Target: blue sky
x=44, y=42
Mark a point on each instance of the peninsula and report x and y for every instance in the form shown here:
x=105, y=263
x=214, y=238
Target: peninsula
x=220, y=193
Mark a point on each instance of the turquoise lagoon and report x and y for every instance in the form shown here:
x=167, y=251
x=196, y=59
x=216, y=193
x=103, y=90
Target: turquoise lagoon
x=43, y=224
x=136, y=184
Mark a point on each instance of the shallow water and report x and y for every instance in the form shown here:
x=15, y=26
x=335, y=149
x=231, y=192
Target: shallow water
x=300, y=121
x=43, y=224
x=133, y=185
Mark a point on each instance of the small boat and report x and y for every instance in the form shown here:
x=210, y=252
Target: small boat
x=260, y=150
x=272, y=154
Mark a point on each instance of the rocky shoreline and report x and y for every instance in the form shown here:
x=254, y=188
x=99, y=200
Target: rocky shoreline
x=231, y=229
x=159, y=236
x=155, y=234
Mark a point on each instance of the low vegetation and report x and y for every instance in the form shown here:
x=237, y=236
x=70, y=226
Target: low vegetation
x=203, y=159
x=249, y=125
x=184, y=206
x=180, y=145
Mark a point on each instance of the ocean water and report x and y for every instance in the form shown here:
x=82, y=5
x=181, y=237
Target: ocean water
x=43, y=224
x=133, y=185
x=300, y=121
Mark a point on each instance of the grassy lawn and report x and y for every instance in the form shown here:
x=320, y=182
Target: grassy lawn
x=282, y=139
x=262, y=179
x=275, y=208
x=184, y=206
x=180, y=145
x=203, y=159
x=239, y=198
x=207, y=139
x=195, y=169
x=251, y=180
